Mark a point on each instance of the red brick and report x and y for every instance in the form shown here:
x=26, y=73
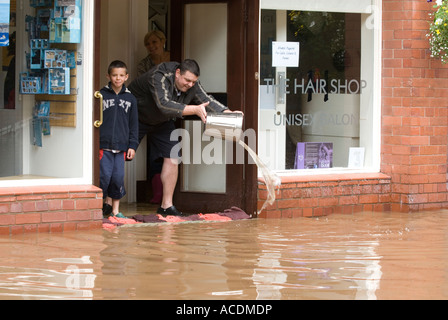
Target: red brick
x=54, y=216
x=28, y=218
x=43, y=228
x=288, y=204
x=70, y=226
x=273, y=214
x=97, y=214
x=29, y=206
x=344, y=200
x=54, y=205
x=16, y=207
x=8, y=199
x=4, y=208
x=5, y=231
x=68, y=204
x=29, y=197
x=78, y=215
x=307, y=212
x=288, y=213
x=372, y=198
x=96, y=203
x=41, y=206
x=56, y=227
x=7, y=219
x=81, y=204
x=30, y=228
x=16, y=230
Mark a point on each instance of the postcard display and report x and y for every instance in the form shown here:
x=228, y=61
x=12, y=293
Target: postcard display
x=50, y=64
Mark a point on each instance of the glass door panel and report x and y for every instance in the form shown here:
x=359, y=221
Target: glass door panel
x=209, y=20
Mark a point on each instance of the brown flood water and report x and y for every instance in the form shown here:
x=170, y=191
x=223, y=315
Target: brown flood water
x=362, y=256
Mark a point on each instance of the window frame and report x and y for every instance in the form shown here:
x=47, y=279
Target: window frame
x=370, y=106
x=85, y=101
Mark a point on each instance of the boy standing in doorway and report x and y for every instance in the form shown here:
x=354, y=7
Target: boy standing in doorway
x=118, y=136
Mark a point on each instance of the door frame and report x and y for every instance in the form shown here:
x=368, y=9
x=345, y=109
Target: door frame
x=243, y=33
x=240, y=92
x=96, y=86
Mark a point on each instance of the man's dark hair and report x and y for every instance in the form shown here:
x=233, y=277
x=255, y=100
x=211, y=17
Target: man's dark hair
x=117, y=64
x=190, y=65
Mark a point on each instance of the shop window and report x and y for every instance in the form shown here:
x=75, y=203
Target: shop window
x=7, y=53
x=316, y=86
x=42, y=133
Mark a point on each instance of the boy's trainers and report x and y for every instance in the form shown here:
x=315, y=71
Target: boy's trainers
x=107, y=210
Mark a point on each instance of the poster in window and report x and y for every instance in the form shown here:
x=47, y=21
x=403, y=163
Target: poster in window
x=314, y=155
x=285, y=54
x=356, y=158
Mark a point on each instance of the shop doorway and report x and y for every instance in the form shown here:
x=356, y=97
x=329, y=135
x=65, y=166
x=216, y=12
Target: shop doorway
x=221, y=53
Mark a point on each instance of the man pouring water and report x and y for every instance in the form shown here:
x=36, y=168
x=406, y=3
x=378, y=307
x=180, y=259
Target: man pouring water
x=168, y=91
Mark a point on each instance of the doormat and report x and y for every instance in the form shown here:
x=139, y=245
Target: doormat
x=231, y=214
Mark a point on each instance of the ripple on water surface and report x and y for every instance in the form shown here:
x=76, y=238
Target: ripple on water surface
x=362, y=256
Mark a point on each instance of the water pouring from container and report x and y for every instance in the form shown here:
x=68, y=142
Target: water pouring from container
x=228, y=126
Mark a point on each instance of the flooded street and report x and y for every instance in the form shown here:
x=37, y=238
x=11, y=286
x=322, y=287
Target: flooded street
x=362, y=256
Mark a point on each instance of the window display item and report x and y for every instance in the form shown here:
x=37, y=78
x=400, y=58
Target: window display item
x=55, y=58
x=356, y=157
x=40, y=3
x=37, y=46
x=36, y=132
x=42, y=112
x=42, y=109
x=71, y=59
x=36, y=59
x=313, y=155
x=32, y=83
x=42, y=19
x=4, y=23
x=65, y=22
x=59, y=81
x=49, y=68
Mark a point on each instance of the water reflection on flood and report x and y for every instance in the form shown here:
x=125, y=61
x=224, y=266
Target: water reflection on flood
x=362, y=256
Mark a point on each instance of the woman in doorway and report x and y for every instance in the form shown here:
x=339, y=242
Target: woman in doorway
x=154, y=42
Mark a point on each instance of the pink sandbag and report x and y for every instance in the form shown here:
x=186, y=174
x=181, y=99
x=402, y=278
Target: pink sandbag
x=213, y=217
x=171, y=218
x=234, y=213
x=122, y=221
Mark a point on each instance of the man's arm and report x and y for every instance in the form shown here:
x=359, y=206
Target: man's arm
x=198, y=110
x=201, y=112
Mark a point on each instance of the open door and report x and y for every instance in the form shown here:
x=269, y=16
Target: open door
x=96, y=103
x=213, y=33
x=216, y=34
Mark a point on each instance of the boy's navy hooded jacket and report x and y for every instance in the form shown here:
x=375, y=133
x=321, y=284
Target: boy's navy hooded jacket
x=119, y=130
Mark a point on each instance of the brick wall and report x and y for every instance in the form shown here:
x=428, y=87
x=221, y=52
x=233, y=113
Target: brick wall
x=414, y=133
x=318, y=195
x=50, y=209
x=414, y=109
